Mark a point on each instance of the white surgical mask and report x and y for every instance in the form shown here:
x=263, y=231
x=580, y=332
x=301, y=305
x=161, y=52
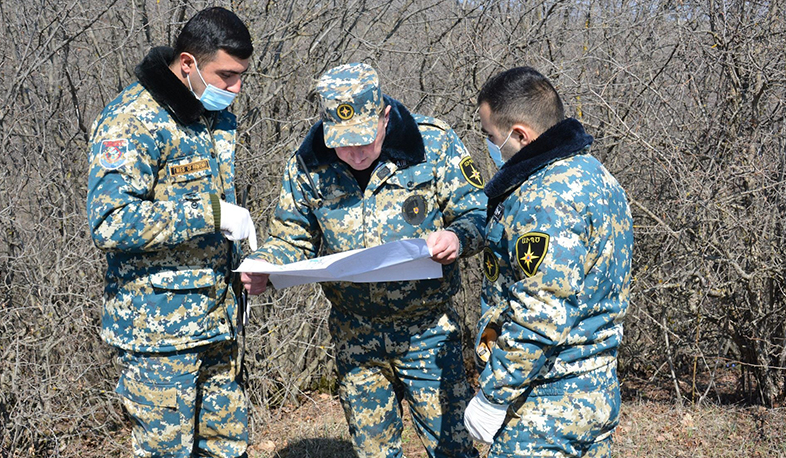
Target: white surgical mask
x=496, y=151
x=212, y=98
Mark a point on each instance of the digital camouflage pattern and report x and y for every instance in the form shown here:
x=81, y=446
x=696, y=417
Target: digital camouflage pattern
x=168, y=269
x=427, y=367
x=566, y=418
x=557, y=285
x=351, y=102
x=387, y=332
x=170, y=396
x=153, y=190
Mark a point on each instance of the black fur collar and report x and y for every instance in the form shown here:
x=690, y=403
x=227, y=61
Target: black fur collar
x=562, y=140
x=403, y=143
x=155, y=75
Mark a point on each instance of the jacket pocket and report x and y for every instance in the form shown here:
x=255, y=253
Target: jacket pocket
x=182, y=302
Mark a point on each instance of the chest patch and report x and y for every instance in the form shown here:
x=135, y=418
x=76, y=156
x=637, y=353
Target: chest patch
x=113, y=153
x=471, y=173
x=191, y=167
x=531, y=248
x=490, y=265
x=414, y=210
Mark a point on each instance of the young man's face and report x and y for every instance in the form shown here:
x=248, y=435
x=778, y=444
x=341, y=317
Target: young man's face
x=361, y=157
x=510, y=140
x=494, y=134
x=223, y=71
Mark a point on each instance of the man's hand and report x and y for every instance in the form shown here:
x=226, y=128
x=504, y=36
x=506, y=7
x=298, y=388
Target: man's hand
x=444, y=246
x=254, y=283
x=484, y=419
x=236, y=224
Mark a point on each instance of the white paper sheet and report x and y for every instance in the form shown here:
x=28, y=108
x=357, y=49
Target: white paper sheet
x=407, y=259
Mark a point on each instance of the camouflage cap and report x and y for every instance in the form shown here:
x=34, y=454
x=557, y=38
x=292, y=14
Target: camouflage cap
x=351, y=103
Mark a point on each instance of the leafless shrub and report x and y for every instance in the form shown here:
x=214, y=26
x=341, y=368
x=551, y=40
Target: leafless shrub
x=685, y=102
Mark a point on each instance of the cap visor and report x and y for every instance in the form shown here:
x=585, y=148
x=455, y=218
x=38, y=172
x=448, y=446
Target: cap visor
x=339, y=134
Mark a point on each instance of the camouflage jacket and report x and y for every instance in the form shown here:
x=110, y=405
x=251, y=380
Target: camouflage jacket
x=425, y=181
x=556, y=264
x=158, y=164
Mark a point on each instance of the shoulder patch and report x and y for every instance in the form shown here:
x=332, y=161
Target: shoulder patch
x=531, y=248
x=471, y=173
x=113, y=153
x=490, y=265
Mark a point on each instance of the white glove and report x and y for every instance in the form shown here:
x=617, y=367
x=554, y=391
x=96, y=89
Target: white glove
x=483, y=419
x=236, y=224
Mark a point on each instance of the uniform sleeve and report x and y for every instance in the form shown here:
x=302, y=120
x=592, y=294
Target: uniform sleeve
x=546, y=249
x=294, y=233
x=121, y=207
x=461, y=197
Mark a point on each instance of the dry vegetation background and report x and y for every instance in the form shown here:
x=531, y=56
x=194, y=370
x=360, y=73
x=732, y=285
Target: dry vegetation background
x=685, y=101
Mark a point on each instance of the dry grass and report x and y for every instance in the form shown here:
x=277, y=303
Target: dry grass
x=647, y=428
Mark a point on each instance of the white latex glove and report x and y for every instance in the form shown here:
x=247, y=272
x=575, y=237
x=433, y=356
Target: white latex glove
x=236, y=224
x=483, y=419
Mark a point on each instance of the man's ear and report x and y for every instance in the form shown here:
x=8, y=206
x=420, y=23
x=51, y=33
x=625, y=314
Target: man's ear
x=386, y=114
x=186, y=63
x=523, y=134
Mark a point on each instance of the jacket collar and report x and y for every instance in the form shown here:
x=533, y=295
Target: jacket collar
x=156, y=76
x=403, y=143
x=562, y=140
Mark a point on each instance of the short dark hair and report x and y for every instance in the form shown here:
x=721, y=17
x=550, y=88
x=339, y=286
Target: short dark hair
x=522, y=95
x=212, y=29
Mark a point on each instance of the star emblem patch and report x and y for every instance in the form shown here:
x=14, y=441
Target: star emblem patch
x=531, y=248
x=490, y=265
x=471, y=173
x=345, y=111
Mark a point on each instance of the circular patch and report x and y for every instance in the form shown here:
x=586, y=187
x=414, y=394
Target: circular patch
x=345, y=111
x=414, y=210
x=490, y=265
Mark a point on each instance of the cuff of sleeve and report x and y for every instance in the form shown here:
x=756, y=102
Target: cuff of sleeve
x=216, y=205
x=459, y=236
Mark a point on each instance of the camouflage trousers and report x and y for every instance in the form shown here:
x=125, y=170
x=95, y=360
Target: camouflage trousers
x=185, y=403
x=380, y=365
x=572, y=417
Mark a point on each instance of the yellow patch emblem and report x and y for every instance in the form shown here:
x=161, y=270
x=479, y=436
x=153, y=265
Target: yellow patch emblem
x=471, y=173
x=490, y=265
x=531, y=248
x=345, y=111
x=192, y=167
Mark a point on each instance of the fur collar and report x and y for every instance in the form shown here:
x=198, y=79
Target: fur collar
x=155, y=75
x=403, y=143
x=560, y=141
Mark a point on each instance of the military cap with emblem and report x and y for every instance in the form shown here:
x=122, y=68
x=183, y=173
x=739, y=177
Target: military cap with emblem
x=351, y=103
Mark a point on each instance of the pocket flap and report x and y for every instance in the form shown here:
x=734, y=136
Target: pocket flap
x=147, y=393
x=183, y=279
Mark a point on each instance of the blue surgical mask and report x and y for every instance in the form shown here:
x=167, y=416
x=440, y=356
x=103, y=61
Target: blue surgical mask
x=496, y=151
x=212, y=98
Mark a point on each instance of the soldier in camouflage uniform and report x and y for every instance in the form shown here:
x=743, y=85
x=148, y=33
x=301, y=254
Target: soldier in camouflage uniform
x=161, y=204
x=557, y=280
x=369, y=173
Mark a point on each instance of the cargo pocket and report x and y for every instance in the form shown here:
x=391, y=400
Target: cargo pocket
x=157, y=420
x=185, y=299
